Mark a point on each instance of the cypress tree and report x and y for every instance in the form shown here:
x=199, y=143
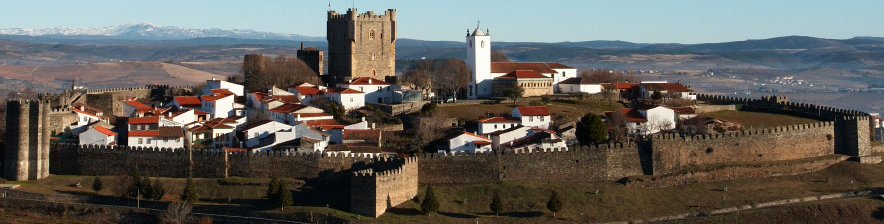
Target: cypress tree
x=157, y=190
x=554, y=204
x=97, y=185
x=272, y=188
x=189, y=195
x=284, y=196
x=496, y=204
x=430, y=203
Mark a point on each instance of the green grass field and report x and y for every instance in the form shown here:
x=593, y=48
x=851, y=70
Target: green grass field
x=755, y=120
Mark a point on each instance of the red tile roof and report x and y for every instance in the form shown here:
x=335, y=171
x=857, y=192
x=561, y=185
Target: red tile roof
x=499, y=120
x=104, y=130
x=324, y=123
x=362, y=134
x=222, y=92
x=188, y=101
x=138, y=105
x=624, y=85
x=341, y=90
x=684, y=110
x=312, y=114
x=256, y=124
x=287, y=108
x=554, y=65
x=153, y=133
x=171, y=132
x=629, y=114
x=144, y=120
x=507, y=67
x=533, y=111
x=481, y=142
x=475, y=135
x=214, y=97
x=365, y=81
x=523, y=74
x=286, y=98
x=200, y=112
x=305, y=90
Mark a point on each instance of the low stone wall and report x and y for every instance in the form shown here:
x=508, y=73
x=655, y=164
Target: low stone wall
x=397, y=109
x=878, y=149
x=719, y=172
x=708, y=108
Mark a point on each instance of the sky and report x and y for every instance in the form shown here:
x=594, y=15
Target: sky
x=644, y=21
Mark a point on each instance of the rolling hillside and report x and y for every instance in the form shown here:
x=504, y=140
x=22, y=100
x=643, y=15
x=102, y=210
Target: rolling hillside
x=99, y=75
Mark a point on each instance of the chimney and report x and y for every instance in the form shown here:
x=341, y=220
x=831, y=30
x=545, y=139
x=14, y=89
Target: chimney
x=83, y=108
x=213, y=78
x=299, y=116
x=302, y=45
x=372, y=125
x=363, y=118
x=369, y=80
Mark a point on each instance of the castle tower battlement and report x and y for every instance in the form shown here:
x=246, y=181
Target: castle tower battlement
x=27, y=141
x=372, y=192
x=361, y=45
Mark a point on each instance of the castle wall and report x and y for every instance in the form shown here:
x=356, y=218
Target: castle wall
x=373, y=192
x=24, y=156
x=673, y=152
x=59, y=119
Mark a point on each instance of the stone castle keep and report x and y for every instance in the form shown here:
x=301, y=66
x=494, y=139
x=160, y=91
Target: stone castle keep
x=361, y=45
x=376, y=184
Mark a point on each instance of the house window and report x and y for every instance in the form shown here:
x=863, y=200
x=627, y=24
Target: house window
x=147, y=141
x=471, y=44
x=256, y=135
x=140, y=141
x=177, y=139
x=541, y=118
x=495, y=126
x=351, y=99
x=530, y=118
x=165, y=140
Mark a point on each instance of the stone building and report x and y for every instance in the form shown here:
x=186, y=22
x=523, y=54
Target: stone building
x=27, y=140
x=534, y=83
x=312, y=57
x=361, y=45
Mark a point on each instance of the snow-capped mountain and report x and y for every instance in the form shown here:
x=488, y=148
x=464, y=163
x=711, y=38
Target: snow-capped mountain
x=153, y=32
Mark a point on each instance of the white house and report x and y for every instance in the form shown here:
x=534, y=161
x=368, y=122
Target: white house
x=236, y=89
x=185, y=102
x=533, y=116
x=185, y=116
x=537, y=140
x=469, y=142
x=215, y=133
x=478, y=45
x=163, y=137
x=493, y=124
x=667, y=90
x=507, y=135
x=134, y=108
x=261, y=129
x=86, y=116
x=350, y=99
x=294, y=114
x=219, y=104
x=579, y=85
x=645, y=121
x=376, y=91
x=98, y=135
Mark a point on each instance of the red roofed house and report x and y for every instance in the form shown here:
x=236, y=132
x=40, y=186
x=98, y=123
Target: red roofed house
x=293, y=114
x=86, y=116
x=469, y=142
x=669, y=91
x=163, y=137
x=644, y=121
x=189, y=102
x=98, y=135
x=534, y=83
x=537, y=140
x=362, y=137
x=234, y=88
x=478, y=44
x=376, y=91
x=257, y=130
x=493, y=124
x=134, y=107
x=579, y=85
x=533, y=116
x=350, y=99
x=219, y=104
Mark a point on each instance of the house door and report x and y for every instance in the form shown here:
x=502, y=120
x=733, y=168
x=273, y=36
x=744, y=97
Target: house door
x=380, y=99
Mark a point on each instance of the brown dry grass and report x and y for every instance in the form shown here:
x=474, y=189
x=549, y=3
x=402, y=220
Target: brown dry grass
x=755, y=120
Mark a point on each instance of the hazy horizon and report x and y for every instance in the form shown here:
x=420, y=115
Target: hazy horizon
x=644, y=21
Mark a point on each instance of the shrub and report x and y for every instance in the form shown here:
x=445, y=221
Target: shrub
x=189, y=195
x=496, y=204
x=175, y=213
x=591, y=129
x=157, y=190
x=431, y=203
x=554, y=204
x=97, y=185
x=284, y=196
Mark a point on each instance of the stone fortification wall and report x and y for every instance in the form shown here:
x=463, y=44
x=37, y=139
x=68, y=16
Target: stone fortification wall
x=373, y=191
x=672, y=152
x=71, y=159
x=592, y=163
x=780, y=104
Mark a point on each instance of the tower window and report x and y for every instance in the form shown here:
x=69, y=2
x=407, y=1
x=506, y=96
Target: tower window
x=373, y=73
x=483, y=44
x=471, y=43
x=371, y=34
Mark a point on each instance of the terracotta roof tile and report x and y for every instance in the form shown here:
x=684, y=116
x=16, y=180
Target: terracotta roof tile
x=104, y=130
x=341, y=90
x=684, y=110
x=367, y=81
x=523, y=74
x=188, y=101
x=362, y=134
x=170, y=132
x=629, y=114
x=138, y=105
x=153, y=133
x=507, y=67
x=287, y=108
x=533, y=111
x=308, y=90
x=499, y=120
x=225, y=92
x=144, y=120
x=624, y=85
x=577, y=80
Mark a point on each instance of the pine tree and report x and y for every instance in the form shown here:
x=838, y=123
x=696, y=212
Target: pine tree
x=496, y=204
x=145, y=187
x=189, y=195
x=430, y=203
x=97, y=185
x=591, y=129
x=272, y=188
x=284, y=196
x=554, y=204
x=157, y=190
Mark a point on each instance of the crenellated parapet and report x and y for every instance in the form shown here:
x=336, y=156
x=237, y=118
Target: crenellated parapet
x=781, y=104
x=374, y=190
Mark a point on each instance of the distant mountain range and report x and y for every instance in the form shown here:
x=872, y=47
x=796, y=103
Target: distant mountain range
x=147, y=31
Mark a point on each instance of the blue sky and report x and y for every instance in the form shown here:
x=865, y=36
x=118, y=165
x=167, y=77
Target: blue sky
x=647, y=21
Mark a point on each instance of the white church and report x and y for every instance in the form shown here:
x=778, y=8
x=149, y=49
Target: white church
x=485, y=71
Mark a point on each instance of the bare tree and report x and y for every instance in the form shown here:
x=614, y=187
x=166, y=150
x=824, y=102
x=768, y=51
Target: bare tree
x=440, y=75
x=498, y=56
x=176, y=213
x=260, y=72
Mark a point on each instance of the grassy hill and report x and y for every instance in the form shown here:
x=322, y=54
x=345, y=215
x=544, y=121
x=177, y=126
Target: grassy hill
x=99, y=75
